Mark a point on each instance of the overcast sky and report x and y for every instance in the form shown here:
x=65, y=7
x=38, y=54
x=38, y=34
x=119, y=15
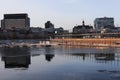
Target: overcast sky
x=62, y=13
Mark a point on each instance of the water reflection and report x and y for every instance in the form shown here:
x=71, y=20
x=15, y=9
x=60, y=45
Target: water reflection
x=105, y=57
x=16, y=57
x=64, y=63
x=17, y=61
x=49, y=57
x=83, y=55
x=96, y=56
x=15, y=51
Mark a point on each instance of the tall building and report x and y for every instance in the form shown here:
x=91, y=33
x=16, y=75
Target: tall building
x=15, y=22
x=49, y=27
x=48, y=24
x=99, y=23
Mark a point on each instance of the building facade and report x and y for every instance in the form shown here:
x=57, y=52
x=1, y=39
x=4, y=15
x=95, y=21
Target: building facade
x=48, y=24
x=15, y=22
x=81, y=29
x=59, y=31
x=100, y=23
x=49, y=27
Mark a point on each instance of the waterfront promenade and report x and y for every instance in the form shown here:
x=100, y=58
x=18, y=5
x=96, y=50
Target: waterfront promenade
x=92, y=42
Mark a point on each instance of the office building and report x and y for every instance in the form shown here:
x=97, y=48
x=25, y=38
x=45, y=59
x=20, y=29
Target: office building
x=15, y=22
x=104, y=22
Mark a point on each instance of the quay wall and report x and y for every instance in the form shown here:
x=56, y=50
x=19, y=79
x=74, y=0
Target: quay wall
x=102, y=42
x=17, y=35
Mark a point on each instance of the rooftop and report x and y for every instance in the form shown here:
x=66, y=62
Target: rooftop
x=16, y=16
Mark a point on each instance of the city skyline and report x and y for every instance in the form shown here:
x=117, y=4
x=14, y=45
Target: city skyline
x=63, y=13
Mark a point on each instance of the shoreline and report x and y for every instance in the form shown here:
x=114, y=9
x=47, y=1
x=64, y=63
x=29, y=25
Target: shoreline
x=91, y=42
x=94, y=42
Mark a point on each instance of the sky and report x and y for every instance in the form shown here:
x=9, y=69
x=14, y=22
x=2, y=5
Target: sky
x=62, y=13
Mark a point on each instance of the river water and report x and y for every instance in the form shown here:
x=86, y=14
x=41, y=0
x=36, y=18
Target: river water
x=59, y=63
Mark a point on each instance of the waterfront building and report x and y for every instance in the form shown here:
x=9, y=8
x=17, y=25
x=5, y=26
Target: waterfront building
x=82, y=28
x=36, y=29
x=48, y=24
x=2, y=24
x=15, y=22
x=49, y=28
x=65, y=31
x=59, y=31
x=111, y=30
x=105, y=22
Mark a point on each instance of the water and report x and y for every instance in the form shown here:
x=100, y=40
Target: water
x=59, y=63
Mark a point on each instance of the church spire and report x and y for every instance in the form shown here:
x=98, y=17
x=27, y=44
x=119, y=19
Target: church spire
x=83, y=23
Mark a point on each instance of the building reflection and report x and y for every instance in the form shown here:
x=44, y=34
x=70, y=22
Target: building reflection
x=105, y=57
x=49, y=50
x=49, y=53
x=49, y=57
x=83, y=55
x=16, y=57
x=17, y=61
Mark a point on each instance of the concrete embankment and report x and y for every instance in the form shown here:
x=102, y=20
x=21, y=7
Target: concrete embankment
x=11, y=44
x=93, y=42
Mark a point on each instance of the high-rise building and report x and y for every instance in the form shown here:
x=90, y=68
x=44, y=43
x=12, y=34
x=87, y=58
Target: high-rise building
x=15, y=22
x=99, y=23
